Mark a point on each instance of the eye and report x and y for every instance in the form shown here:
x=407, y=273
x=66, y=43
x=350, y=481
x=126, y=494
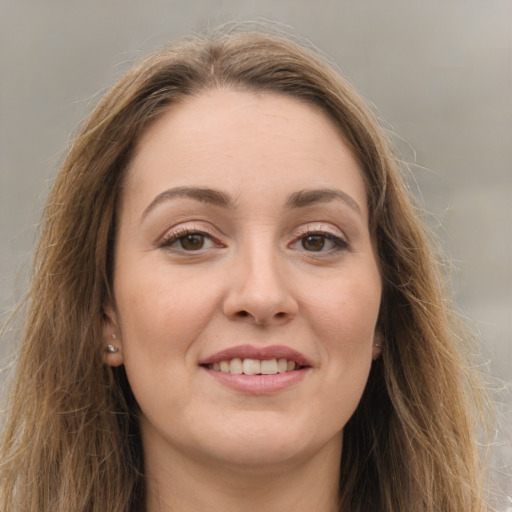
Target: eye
x=192, y=241
x=313, y=242
x=188, y=241
x=320, y=242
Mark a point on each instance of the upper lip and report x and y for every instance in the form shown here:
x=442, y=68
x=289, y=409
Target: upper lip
x=261, y=353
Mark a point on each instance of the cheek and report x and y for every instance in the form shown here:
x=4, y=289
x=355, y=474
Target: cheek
x=161, y=318
x=347, y=332
x=162, y=312
x=344, y=319
x=346, y=310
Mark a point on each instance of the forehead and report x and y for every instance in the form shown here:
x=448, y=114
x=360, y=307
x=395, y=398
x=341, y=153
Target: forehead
x=246, y=142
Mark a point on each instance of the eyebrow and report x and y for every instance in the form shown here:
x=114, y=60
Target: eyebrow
x=201, y=194
x=300, y=199
x=305, y=198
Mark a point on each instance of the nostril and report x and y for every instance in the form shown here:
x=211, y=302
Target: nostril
x=243, y=314
x=281, y=314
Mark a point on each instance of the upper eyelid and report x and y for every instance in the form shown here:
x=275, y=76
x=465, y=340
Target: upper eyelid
x=204, y=228
x=325, y=234
x=326, y=229
x=188, y=227
x=172, y=237
x=320, y=227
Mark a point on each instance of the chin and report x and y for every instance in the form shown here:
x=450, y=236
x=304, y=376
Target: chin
x=268, y=443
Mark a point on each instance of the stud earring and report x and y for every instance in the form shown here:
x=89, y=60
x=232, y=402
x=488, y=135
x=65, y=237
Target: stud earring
x=377, y=345
x=112, y=348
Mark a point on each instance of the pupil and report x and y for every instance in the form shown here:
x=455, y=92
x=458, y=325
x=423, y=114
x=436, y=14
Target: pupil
x=313, y=242
x=192, y=242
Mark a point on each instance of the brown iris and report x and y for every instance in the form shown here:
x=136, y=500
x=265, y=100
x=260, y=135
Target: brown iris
x=313, y=242
x=192, y=242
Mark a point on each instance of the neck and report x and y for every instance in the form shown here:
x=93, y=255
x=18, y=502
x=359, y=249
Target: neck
x=186, y=485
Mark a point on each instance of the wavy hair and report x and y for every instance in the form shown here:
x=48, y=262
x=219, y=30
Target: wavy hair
x=71, y=439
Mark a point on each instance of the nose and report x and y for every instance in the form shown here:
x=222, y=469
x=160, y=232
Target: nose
x=259, y=292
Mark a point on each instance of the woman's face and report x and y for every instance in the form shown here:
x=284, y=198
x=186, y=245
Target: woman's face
x=246, y=283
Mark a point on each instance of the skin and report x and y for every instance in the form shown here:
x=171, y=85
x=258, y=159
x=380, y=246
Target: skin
x=256, y=279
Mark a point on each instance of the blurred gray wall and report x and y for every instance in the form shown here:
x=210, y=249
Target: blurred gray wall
x=439, y=72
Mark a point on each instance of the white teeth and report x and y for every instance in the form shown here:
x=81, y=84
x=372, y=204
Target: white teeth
x=235, y=366
x=268, y=367
x=250, y=366
x=282, y=365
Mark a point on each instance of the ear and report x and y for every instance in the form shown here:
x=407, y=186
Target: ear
x=378, y=343
x=112, y=342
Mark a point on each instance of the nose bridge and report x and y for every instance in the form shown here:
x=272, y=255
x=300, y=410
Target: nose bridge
x=260, y=273
x=258, y=290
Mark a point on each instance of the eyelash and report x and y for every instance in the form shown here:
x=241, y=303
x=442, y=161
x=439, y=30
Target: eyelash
x=339, y=244
x=180, y=235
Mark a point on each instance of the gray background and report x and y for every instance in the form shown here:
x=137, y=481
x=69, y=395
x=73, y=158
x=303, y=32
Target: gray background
x=439, y=71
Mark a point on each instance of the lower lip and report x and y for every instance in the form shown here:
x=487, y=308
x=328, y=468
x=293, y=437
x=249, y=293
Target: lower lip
x=259, y=384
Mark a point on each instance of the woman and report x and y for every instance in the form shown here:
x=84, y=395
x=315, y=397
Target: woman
x=234, y=306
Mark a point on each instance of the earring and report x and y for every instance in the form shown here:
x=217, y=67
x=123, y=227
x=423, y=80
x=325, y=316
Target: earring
x=377, y=345
x=112, y=348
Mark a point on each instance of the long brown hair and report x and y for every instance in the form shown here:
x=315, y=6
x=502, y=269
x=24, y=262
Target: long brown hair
x=71, y=441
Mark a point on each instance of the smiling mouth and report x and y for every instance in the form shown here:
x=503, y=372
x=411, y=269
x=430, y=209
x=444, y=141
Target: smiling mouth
x=248, y=366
